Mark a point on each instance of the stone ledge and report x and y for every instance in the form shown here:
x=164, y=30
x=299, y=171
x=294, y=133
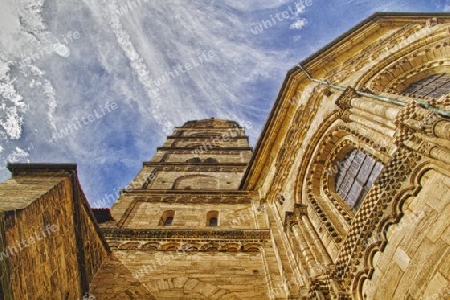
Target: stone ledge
x=19, y=169
x=190, y=167
x=215, y=148
x=191, y=164
x=148, y=234
x=194, y=199
x=190, y=245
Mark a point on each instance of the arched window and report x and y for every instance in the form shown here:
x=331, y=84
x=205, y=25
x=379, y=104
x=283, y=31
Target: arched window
x=195, y=182
x=433, y=86
x=210, y=160
x=167, y=218
x=213, y=222
x=193, y=160
x=356, y=174
x=212, y=218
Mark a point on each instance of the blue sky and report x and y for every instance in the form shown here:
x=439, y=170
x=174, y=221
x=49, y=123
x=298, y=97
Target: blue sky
x=101, y=83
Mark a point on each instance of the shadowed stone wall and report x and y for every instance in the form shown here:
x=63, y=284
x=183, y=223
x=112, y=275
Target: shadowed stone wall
x=50, y=244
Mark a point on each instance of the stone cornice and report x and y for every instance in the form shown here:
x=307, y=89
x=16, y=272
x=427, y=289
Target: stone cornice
x=206, y=137
x=216, y=151
x=183, y=234
x=193, y=192
x=194, y=196
x=212, y=148
x=198, y=168
x=18, y=169
x=183, y=164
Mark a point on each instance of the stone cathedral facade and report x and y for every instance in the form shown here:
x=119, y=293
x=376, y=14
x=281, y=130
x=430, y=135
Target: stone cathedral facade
x=345, y=196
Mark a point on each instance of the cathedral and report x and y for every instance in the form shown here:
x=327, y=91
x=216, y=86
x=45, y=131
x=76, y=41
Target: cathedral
x=346, y=194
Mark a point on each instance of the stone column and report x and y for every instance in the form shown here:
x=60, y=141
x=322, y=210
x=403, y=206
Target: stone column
x=375, y=107
x=296, y=249
x=442, y=130
x=303, y=245
x=323, y=256
x=349, y=99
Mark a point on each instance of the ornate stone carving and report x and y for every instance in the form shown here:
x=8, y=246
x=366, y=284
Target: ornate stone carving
x=193, y=197
x=149, y=234
x=199, y=168
x=368, y=215
x=188, y=245
x=345, y=99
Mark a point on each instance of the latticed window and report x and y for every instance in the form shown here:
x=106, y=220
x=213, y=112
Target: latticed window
x=357, y=172
x=432, y=86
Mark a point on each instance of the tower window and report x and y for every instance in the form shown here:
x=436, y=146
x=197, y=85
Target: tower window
x=433, y=86
x=356, y=174
x=167, y=218
x=194, y=160
x=212, y=218
x=168, y=221
x=210, y=160
x=213, y=222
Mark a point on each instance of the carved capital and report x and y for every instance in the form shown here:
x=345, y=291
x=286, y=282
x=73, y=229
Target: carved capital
x=345, y=116
x=425, y=148
x=431, y=22
x=344, y=100
x=290, y=220
x=300, y=210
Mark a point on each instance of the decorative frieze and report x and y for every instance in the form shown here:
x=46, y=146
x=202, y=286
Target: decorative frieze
x=201, y=197
x=199, y=168
x=183, y=234
x=189, y=245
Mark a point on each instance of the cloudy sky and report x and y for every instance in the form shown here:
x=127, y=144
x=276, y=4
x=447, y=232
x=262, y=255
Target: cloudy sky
x=101, y=83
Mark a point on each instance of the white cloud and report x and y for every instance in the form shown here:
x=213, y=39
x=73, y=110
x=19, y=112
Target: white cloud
x=17, y=155
x=251, y=5
x=12, y=107
x=299, y=24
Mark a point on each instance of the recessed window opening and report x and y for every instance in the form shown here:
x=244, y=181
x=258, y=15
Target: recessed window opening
x=212, y=218
x=356, y=174
x=433, y=86
x=167, y=218
x=213, y=222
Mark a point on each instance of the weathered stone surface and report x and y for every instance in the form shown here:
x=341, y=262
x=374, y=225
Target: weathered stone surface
x=51, y=242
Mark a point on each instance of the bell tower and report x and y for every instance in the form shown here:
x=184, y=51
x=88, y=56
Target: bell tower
x=201, y=156
x=183, y=229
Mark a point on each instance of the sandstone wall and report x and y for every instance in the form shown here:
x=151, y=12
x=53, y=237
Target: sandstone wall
x=186, y=275
x=415, y=263
x=48, y=268
x=95, y=249
x=51, y=245
x=197, y=180
x=148, y=215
